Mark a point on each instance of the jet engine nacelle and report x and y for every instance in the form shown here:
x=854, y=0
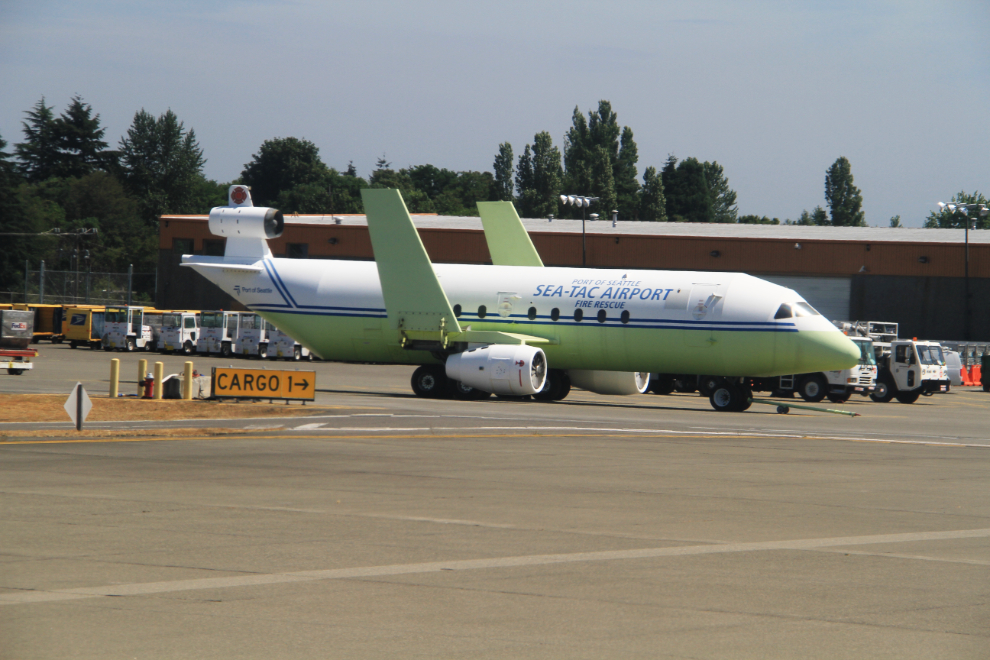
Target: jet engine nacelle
x=246, y=222
x=610, y=382
x=500, y=368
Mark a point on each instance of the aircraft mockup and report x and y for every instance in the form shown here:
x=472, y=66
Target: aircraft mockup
x=517, y=329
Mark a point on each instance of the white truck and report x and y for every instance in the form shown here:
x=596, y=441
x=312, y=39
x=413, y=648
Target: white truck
x=252, y=336
x=124, y=328
x=217, y=332
x=179, y=332
x=281, y=345
x=909, y=369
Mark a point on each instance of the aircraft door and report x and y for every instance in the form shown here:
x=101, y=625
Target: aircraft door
x=704, y=305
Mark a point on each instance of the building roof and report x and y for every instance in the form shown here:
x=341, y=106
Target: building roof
x=684, y=229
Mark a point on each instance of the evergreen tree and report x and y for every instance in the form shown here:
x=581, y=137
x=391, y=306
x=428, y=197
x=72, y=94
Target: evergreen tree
x=895, y=221
x=543, y=196
x=844, y=199
x=577, y=151
x=504, y=169
x=602, y=182
x=624, y=172
x=281, y=164
x=162, y=165
x=524, y=181
x=686, y=190
x=947, y=219
x=39, y=154
x=12, y=220
x=80, y=141
x=722, y=197
x=652, y=205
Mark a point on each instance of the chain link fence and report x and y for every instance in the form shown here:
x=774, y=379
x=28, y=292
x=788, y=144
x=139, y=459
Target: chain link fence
x=69, y=287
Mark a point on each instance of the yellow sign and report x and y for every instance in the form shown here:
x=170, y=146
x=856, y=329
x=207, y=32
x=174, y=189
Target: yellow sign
x=263, y=384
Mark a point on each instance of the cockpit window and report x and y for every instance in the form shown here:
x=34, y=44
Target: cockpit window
x=783, y=312
x=804, y=309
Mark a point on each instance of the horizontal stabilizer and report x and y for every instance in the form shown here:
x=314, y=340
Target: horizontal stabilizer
x=507, y=238
x=247, y=268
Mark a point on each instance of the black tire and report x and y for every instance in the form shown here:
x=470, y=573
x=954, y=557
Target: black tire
x=462, y=392
x=225, y=350
x=839, y=398
x=262, y=351
x=297, y=353
x=885, y=388
x=430, y=382
x=686, y=384
x=73, y=344
x=556, y=386
x=187, y=348
x=129, y=346
x=908, y=397
x=707, y=384
x=813, y=388
x=15, y=372
x=726, y=397
x=662, y=384
x=108, y=348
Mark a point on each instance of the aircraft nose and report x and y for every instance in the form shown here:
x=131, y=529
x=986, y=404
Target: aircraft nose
x=826, y=351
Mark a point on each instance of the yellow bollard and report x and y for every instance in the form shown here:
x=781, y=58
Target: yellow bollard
x=187, y=382
x=114, y=377
x=142, y=372
x=159, y=375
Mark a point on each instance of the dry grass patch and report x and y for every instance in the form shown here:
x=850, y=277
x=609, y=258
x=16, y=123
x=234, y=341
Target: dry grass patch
x=49, y=408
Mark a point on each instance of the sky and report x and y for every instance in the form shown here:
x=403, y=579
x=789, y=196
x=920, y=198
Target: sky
x=773, y=91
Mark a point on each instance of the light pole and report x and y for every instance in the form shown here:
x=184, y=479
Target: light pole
x=583, y=202
x=981, y=210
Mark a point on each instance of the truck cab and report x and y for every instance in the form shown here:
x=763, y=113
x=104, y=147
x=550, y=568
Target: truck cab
x=218, y=332
x=908, y=369
x=124, y=328
x=179, y=332
x=281, y=345
x=252, y=336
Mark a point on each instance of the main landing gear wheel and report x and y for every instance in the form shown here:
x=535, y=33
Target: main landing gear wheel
x=430, y=381
x=662, y=384
x=707, y=385
x=463, y=392
x=556, y=386
x=729, y=397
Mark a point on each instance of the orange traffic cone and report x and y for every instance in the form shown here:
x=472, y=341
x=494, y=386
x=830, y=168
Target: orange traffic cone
x=966, y=379
x=975, y=373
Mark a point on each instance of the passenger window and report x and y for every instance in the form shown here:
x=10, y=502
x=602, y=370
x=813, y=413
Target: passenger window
x=578, y=314
x=783, y=312
x=625, y=316
x=554, y=314
x=901, y=354
x=482, y=310
x=602, y=316
x=532, y=314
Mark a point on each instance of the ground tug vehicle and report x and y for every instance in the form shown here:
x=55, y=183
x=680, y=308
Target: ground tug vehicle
x=281, y=345
x=179, y=332
x=129, y=328
x=252, y=336
x=16, y=336
x=217, y=332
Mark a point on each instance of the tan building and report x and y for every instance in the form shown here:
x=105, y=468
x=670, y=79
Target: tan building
x=915, y=277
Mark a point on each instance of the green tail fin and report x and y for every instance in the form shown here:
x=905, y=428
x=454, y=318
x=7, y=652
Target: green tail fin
x=414, y=300
x=508, y=241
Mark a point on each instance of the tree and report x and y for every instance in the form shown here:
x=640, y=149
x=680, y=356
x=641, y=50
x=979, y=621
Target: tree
x=945, y=218
x=722, y=197
x=15, y=248
x=504, y=169
x=281, y=164
x=624, y=171
x=539, y=177
x=38, y=154
x=652, y=205
x=844, y=198
x=161, y=164
x=81, y=148
x=686, y=190
x=895, y=221
x=99, y=200
x=816, y=217
x=602, y=182
x=760, y=220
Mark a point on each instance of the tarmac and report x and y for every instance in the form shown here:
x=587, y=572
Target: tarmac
x=391, y=526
